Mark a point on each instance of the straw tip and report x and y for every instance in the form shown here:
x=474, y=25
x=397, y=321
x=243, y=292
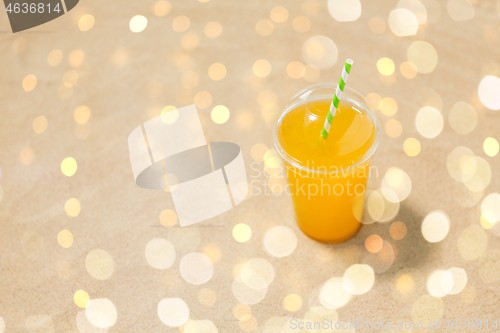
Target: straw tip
x=350, y=61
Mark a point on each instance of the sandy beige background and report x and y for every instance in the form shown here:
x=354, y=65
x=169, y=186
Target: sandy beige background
x=38, y=277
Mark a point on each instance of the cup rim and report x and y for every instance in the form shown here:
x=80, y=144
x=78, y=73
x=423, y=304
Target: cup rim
x=370, y=153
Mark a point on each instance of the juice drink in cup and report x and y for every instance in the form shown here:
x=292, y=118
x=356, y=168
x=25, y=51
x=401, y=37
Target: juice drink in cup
x=327, y=177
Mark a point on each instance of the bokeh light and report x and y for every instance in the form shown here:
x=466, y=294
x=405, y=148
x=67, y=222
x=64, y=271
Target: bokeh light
x=358, y=279
x=86, y=22
x=99, y=264
x=82, y=114
x=65, y=238
x=320, y=51
x=403, y=22
x=301, y=24
x=217, y=71
x=207, y=297
x=261, y=68
x=388, y=106
x=190, y=41
x=481, y=177
x=279, y=14
x=435, y=226
x=241, y=311
x=138, y=23
x=398, y=230
x=160, y=253
x=242, y=232
x=76, y=58
x=245, y=294
x=374, y=243
x=460, y=10
x=382, y=206
x=295, y=70
x=292, y=302
x=462, y=118
x=69, y=166
x=198, y=326
x=416, y=7
x=29, y=82
x=173, y=312
x=196, y=268
x=490, y=146
x=220, y=114
x=408, y=69
x=398, y=182
x=40, y=124
x=203, y=99
x=264, y=27
x=344, y=10
x=162, y=8
x=55, y=57
x=435, y=285
x=81, y=298
x=248, y=323
x=280, y=241
x=333, y=295
x=169, y=115
x=26, y=156
x=257, y=273
x=490, y=208
x=101, y=312
x=429, y=97
x=404, y=283
x=393, y=128
x=489, y=92
x=423, y=55
x=181, y=23
x=212, y=252
x=212, y=29
x=412, y=147
x=429, y=122
x=454, y=280
x=385, y=66
x=380, y=261
x=461, y=164
x=72, y=207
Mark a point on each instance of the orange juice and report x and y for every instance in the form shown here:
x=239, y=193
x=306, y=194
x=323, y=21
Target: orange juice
x=327, y=177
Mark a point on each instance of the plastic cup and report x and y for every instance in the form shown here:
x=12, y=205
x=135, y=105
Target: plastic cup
x=327, y=177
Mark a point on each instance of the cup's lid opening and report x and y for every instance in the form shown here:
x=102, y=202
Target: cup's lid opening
x=352, y=141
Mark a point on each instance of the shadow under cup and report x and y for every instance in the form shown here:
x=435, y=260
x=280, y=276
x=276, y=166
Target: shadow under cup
x=327, y=177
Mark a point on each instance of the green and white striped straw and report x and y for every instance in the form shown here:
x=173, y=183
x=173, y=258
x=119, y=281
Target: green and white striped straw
x=336, y=98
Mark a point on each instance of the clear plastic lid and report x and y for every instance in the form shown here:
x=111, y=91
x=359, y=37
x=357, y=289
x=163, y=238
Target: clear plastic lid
x=353, y=138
